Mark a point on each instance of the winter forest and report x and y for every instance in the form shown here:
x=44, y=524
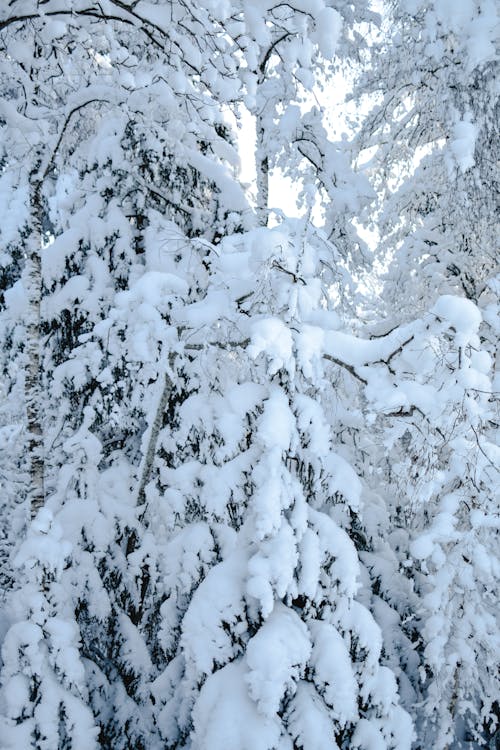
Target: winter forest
x=249, y=312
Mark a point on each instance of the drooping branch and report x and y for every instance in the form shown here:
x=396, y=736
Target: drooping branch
x=143, y=25
x=50, y=162
x=267, y=55
x=87, y=12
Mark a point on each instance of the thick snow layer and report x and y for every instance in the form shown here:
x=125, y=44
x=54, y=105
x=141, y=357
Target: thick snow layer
x=276, y=424
x=273, y=337
x=310, y=564
x=335, y=542
x=461, y=313
x=216, y=607
x=44, y=544
x=333, y=672
x=359, y=352
x=16, y=300
x=225, y=716
x=367, y=736
x=328, y=30
x=276, y=658
x=463, y=143
x=271, y=570
x=310, y=721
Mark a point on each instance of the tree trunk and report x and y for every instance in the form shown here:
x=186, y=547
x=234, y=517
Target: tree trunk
x=33, y=286
x=150, y=453
x=262, y=170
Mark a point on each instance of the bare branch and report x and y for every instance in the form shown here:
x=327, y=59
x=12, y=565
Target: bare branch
x=482, y=450
x=294, y=276
x=219, y=345
x=265, y=59
x=346, y=366
x=393, y=354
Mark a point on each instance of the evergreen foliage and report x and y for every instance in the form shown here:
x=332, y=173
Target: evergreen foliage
x=235, y=514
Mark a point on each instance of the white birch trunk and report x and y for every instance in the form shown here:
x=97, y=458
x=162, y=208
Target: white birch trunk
x=33, y=284
x=262, y=171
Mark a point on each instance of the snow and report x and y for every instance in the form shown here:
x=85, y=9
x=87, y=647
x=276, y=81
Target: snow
x=163, y=239
x=255, y=23
x=310, y=564
x=17, y=695
x=224, y=715
x=483, y=35
x=16, y=300
x=309, y=344
x=154, y=288
x=276, y=424
x=14, y=201
x=463, y=143
x=269, y=499
x=334, y=541
x=361, y=622
x=276, y=658
x=248, y=522
x=422, y=547
x=74, y=291
x=44, y=544
x=211, y=310
x=383, y=688
x=272, y=337
x=360, y=352
x=454, y=16
x=310, y=721
x=133, y=650
x=66, y=658
x=24, y=637
x=271, y=570
x=344, y=480
x=328, y=30
x=216, y=607
x=482, y=362
x=333, y=673
x=186, y=554
x=54, y=255
x=311, y=421
x=461, y=313
x=231, y=194
x=367, y=737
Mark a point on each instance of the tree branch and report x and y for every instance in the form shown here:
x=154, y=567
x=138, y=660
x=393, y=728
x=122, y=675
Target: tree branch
x=346, y=366
x=86, y=12
x=393, y=354
x=265, y=59
x=72, y=112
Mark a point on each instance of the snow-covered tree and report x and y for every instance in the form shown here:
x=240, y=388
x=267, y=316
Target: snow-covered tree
x=286, y=54
x=266, y=644
x=85, y=173
x=437, y=414
x=245, y=511
x=434, y=130
x=431, y=131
